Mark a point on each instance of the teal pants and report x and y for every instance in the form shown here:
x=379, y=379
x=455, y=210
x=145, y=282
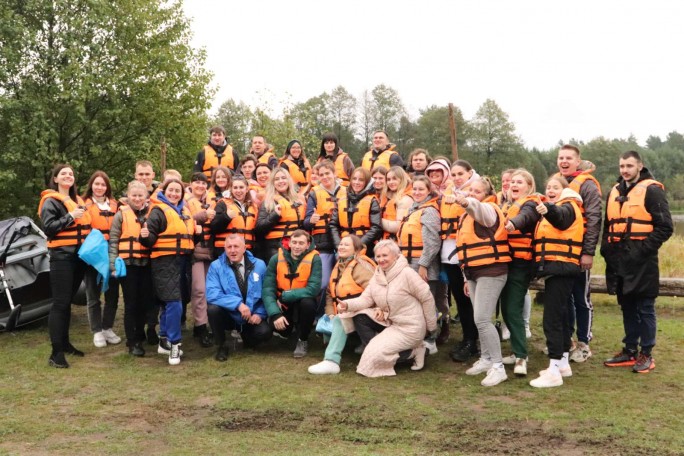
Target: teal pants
x=336, y=343
x=513, y=301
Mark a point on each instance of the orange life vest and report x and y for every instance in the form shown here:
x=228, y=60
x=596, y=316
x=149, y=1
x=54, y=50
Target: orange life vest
x=298, y=279
x=266, y=157
x=552, y=244
x=630, y=220
x=354, y=219
x=520, y=243
x=102, y=220
x=343, y=286
x=325, y=204
x=74, y=234
x=212, y=159
x=129, y=245
x=300, y=176
x=411, y=231
x=213, y=198
x=196, y=206
x=177, y=238
x=476, y=251
x=450, y=213
x=340, y=173
x=383, y=159
x=389, y=211
x=243, y=224
x=576, y=184
x=291, y=218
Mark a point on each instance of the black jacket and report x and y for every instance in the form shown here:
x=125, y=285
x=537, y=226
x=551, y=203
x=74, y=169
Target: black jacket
x=632, y=265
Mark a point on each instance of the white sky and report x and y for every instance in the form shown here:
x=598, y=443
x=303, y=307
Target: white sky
x=560, y=70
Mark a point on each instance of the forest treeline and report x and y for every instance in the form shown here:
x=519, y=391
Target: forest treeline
x=100, y=85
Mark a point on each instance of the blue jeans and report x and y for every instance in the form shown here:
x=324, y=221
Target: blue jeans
x=170, y=321
x=639, y=320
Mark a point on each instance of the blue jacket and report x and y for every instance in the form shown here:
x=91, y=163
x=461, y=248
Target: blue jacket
x=223, y=290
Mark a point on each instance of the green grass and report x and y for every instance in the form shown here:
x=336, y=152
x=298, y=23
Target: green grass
x=265, y=402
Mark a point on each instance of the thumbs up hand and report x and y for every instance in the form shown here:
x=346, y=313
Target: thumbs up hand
x=144, y=232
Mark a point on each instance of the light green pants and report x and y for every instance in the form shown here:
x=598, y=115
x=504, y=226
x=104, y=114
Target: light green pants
x=336, y=343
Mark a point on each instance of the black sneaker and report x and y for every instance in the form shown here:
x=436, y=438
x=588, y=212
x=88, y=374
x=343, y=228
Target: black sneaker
x=221, y=354
x=71, y=350
x=464, y=351
x=644, y=364
x=137, y=350
x=58, y=360
x=624, y=358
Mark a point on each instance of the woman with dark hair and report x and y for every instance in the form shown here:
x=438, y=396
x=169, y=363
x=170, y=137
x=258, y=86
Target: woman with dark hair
x=102, y=206
x=296, y=163
x=169, y=233
x=358, y=212
x=280, y=214
x=237, y=214
x=66, y=223
x=262, y=175
x=330, y=150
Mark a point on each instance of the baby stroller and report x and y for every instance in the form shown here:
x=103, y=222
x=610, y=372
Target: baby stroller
x=25, y=294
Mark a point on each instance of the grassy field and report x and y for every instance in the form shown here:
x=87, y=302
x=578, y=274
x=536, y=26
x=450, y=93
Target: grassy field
x=264, y=402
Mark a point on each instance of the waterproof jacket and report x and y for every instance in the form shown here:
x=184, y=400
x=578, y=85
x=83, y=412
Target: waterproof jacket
x=632, y=265
x=312, y=289
x=223, y=289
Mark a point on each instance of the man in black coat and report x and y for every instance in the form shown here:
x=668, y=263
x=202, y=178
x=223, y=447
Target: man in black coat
x=637, y=223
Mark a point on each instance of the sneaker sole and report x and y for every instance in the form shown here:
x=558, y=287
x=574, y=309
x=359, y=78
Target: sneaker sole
x=163, y=351
x=620, y=364
x=645, y=371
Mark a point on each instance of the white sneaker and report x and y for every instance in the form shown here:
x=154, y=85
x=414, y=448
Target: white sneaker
x=99, y=340
x=505, y=332
x=495, y=375
x=175, y=355
x=581, y=353
x=520, y=367
x=480, y=366
x=431, y=345
x=547, y=379
x=419, y=359
x=528, y=333
x=564, y=371
x=324, y=367
x=111, y=337
x=164, y=347
x=508, y=360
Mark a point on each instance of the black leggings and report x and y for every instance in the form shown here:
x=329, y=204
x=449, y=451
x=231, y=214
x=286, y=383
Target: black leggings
x=463, y=304
x=138, y=298
x=221, y=321
x=301, y=314
x=66, y=275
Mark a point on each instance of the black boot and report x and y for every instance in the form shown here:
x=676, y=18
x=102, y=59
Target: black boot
x=464, y=351
x=222, y=353
x=152, y=337
x=444, y=332
x=203, y=335
x=137, y=350
x=71, y=350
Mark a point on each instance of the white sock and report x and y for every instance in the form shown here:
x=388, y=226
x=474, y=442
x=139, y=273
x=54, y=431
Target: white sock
x=564, y=361
x=554, y=366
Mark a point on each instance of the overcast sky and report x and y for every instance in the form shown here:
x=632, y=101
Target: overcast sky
x=573, y=70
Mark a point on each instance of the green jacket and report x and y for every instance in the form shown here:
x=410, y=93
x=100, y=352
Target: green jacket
x=312, y=289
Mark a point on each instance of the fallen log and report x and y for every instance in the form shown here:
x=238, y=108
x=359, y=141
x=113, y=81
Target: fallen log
x=669, y=286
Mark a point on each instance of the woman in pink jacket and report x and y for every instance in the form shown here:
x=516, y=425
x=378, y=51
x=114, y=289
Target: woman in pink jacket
x=404, y=303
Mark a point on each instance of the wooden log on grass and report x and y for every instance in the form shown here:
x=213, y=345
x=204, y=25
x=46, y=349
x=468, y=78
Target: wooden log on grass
x=669, y=286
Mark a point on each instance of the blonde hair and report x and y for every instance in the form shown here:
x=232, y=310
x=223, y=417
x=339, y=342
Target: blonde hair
x=404, y=181
x=271, y=192
x=135, y=184
x=388, y=244
x=529, y=179
x=558, y=178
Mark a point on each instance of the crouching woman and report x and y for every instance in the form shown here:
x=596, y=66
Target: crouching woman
x=404, y=303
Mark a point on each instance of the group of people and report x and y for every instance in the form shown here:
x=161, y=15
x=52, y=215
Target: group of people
x=264, y=246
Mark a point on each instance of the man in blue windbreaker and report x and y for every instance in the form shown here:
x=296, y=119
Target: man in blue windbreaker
x=234, y=283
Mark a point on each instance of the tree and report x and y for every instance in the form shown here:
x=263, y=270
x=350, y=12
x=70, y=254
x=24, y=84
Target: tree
x=237, y=119
x=432, y=130
x=387, y=109
x=311, y=120
x=492, y=142
x=97, y=85
x=342, y=110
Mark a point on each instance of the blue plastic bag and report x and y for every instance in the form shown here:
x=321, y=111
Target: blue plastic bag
x=94, y=251
x=324, y=325
x=120, y=267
